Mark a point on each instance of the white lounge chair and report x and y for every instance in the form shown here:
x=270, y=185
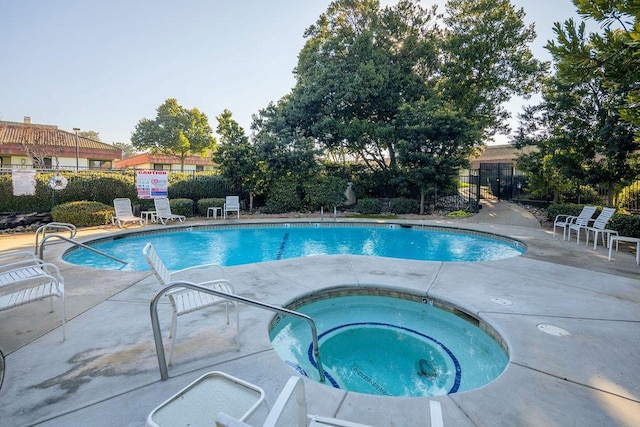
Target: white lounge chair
x=184, y=300
x=579, y=227
x=565, y=220
x=163, y=211
x=124, y=212
x=599, y=227
x=232, y=204
x=30, y=283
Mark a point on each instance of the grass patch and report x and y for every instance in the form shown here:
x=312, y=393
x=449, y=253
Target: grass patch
x=459, y=214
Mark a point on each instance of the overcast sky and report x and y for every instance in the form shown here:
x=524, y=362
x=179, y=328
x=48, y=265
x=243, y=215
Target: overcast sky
x=103, y=65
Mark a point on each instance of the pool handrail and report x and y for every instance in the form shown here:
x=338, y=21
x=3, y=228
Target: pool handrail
x=42, y=230
x=73, y=242
x=157, y=334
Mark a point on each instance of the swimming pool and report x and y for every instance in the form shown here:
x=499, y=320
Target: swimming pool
x=390, y=343
x=253, y=243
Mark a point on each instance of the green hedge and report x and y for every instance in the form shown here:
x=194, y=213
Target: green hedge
x=283, y=197
x=369, y=206
x=204, y=204
x=181, y=207
x=626, y=225
x=198, y=187
x=83, y=213
x=403, y=205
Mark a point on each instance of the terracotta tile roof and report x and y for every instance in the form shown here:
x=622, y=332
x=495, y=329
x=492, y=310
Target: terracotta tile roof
x=145, y=158
x=19, y=133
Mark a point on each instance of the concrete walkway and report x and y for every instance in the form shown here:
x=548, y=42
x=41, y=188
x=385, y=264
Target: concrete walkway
x=106, y=372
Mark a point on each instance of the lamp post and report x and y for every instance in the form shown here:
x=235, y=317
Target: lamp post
x=76, y=130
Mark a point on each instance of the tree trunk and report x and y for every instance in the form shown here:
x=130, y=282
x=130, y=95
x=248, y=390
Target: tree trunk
x=422, y=201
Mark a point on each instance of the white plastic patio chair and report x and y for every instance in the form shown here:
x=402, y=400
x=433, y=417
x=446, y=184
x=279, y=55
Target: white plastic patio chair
x=232, y=204
x=599, y=227
x=565, y=220
x=163, y=211
x=185, y=300
x=124, y=212
x=30, y=283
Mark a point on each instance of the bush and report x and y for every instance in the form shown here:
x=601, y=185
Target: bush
x=181, y=207
x=198, y=187
x=282, y=197
x=369, y=206
x=204, y=204
x=327, y=191
x=626, y=225
x=83, y=213
x=402, y=205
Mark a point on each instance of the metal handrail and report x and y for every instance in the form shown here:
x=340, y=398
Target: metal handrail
x=42, y=230
x=157, y=334
x=73, y=242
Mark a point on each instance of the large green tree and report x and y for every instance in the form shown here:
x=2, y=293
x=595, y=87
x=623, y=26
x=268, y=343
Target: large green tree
x=359, y=64
x=487, y=60
x=582, y=132
x=436, y=141
x=176, y=131
x=236, y=156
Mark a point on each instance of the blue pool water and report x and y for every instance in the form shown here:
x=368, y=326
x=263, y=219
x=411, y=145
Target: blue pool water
x=243, y=245
x=389, y=346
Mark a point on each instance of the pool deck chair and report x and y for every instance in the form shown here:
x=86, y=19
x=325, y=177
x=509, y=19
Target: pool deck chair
x=599, y=227
x=124, y=212
x=163, y=211
x=232, y=204
x=184, y=300
x=565, y=220
x=30, y=283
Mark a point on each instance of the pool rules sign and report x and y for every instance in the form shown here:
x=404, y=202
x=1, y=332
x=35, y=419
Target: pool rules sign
x=152, y=184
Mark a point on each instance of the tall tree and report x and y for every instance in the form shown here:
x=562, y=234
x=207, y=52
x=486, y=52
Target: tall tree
x=598, y=63
x=359, y=64
x=436, y=142
x=176, y=131
x=236, y=157
x=487, y=60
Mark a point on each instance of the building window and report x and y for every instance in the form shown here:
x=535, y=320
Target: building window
x=161, y=167
x=199, y=168
x=99, y=164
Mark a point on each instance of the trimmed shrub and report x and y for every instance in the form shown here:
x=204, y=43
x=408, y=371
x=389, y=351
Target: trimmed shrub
x=205, y=204
x=198, y=187
x=626, y=225
x=181, y=207
x=369, y=206
x=282, y=197
x=83, y=213
x=402, y=205
x=327, y=191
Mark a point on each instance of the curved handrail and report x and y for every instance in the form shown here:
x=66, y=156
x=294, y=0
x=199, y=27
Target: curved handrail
x=157, y=334
x=42, y=230
x=73, y=242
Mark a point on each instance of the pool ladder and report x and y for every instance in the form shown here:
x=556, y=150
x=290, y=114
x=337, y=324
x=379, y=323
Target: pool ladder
x=157, y=334
x=41, y=233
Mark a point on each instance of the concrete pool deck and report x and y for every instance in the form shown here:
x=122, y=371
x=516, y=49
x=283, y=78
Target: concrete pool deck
x=106, y=372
